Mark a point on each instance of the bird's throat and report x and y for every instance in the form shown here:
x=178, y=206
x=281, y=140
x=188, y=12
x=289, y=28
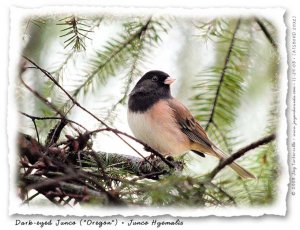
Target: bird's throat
x=142, y=102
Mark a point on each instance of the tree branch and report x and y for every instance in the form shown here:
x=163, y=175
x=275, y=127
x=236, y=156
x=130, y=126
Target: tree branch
x=30, y=148
x=70, y=55
x=226, y=63
x=266, y=32
x=240, y=153
x=52, y=118
x=135, y=165
x=64, y=186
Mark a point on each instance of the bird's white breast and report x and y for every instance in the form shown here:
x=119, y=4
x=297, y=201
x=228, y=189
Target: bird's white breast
x=139, y=126
x=157, y=128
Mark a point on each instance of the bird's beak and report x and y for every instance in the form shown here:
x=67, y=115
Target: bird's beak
x=169, y=81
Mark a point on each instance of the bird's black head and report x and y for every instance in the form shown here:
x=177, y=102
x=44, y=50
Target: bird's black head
x=153, y=86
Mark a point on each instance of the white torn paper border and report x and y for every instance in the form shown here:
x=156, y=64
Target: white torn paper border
x=276, y=16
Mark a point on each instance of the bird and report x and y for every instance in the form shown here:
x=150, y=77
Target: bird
x=162, y=122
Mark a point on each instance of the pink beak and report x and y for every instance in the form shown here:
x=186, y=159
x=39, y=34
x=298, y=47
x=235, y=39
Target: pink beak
x=169, y=81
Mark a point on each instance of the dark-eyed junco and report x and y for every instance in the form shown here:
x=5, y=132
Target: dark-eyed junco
x=165, y=124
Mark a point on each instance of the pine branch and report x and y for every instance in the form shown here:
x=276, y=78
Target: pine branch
x=135, y=165
x=112, y=55
x=209, y=30
x=226, y=63
x=71, y=53
x=75, y=32
x=133, y=71
x=219, y=87
x=266, y=32
x=241, y=153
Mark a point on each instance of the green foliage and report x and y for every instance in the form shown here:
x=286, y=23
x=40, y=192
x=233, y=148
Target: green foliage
x=119, y=52
x=261, y=191
x=75, y=32
x=218, y=88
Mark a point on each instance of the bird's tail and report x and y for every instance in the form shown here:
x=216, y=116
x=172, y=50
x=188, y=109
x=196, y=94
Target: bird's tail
x=237, y=168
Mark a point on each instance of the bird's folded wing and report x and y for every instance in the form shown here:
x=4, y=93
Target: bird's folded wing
x=197, y=134
x=188, y=124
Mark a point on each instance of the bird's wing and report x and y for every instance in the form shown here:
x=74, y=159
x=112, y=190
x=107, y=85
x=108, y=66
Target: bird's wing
x=197, y=134
x=189, y=125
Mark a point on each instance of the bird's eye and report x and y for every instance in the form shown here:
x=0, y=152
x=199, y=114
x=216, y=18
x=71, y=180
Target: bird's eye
x=154, y=78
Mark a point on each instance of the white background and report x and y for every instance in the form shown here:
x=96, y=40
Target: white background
x=292, y=218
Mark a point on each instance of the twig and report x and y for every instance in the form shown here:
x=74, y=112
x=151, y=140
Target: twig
x=240, y=153
x=68, y=187
x=36, y=130
x=52, y=118
x=51, y=182
x=39, y=96
x=31, y=198
x=51, y=174
x=54, y=182
x=45, y=101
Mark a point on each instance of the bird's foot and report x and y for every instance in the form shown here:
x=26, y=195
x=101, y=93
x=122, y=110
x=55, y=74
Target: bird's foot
x=169, y=158
x=150, y=157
